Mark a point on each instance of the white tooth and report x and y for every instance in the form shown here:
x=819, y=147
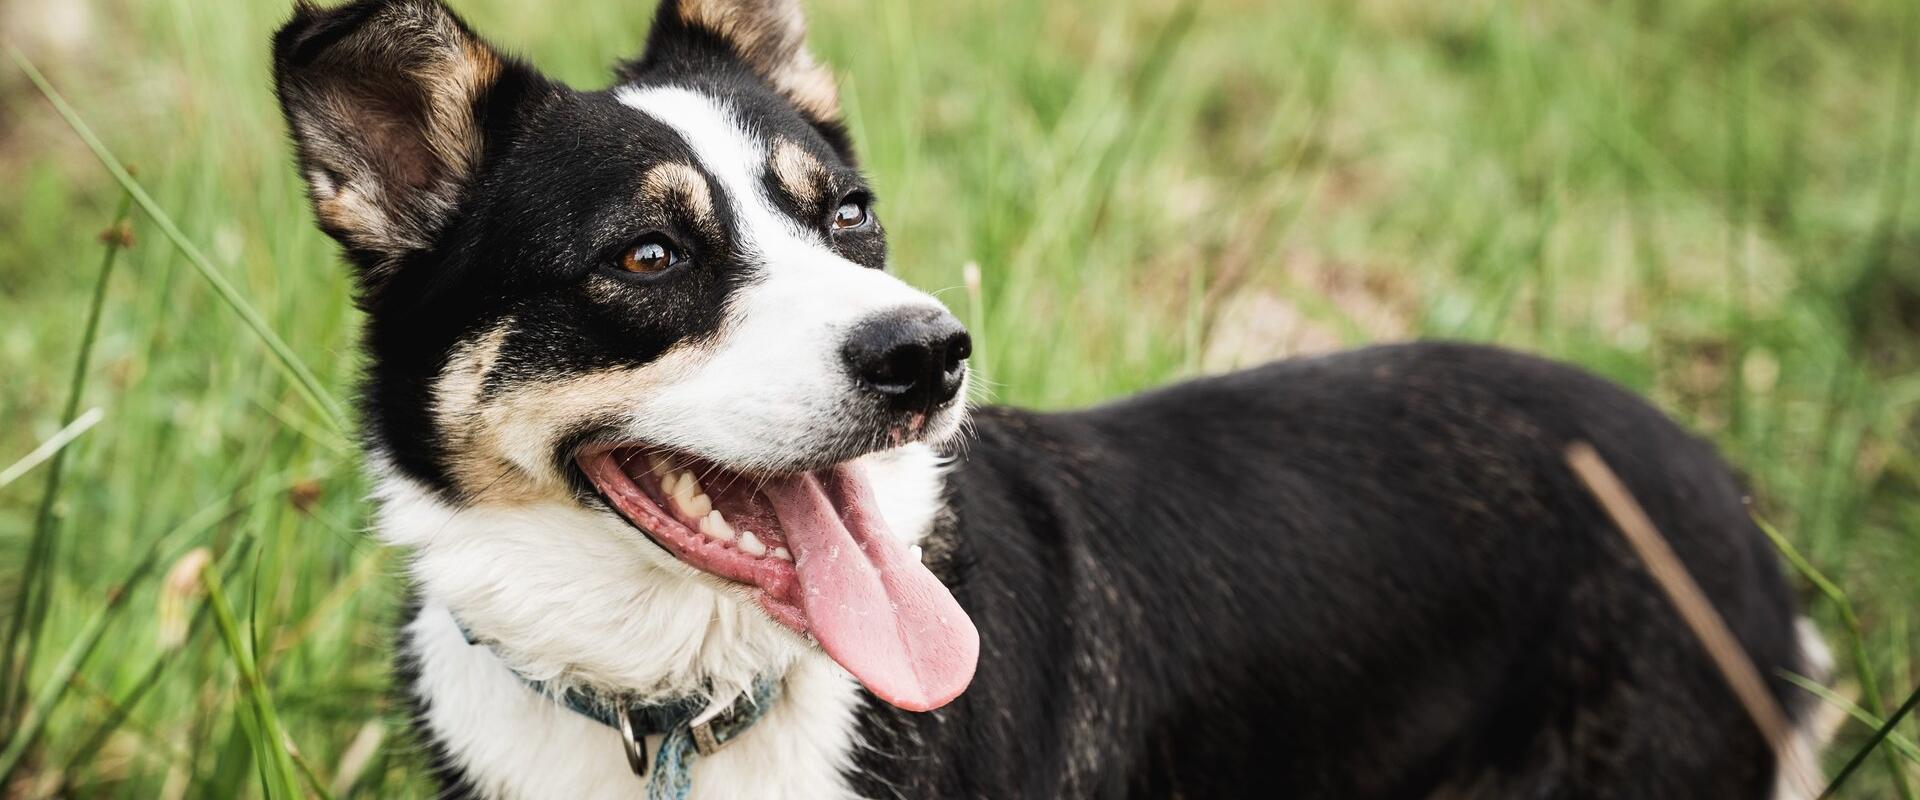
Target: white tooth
x=695, y=507
x=660, y=465
x=666, y=484
x=714, y=526
x=782, y=554
x=688, y=485
x=918, y=554
x=752, y=544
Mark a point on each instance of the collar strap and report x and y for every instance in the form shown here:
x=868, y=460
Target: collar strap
x=690, y=726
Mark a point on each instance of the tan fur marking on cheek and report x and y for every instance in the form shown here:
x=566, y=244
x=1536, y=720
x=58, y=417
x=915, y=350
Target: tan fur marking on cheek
x=500, y=447
x=675, y=182
x=799, y=172
x=457, y=399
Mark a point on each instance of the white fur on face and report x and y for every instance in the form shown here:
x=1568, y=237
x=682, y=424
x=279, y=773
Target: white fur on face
x=770, y=390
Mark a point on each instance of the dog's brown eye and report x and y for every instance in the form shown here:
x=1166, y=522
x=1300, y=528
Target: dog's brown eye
x=851, y=214
x=653, y=254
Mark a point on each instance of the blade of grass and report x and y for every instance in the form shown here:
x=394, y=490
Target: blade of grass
x=1856, y=640
x=276, y=760
x=36, y=584
x=307, y=770
x=182, y=536
x=359, y=753
x=1900, y=744
x=303, y=378
x=1739, y=217
x=1873, y=743
x=120, y=710
x=36, y=715
x=60, y=439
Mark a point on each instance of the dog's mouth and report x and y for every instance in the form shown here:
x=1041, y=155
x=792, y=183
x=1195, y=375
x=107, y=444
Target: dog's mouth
x=818, y=558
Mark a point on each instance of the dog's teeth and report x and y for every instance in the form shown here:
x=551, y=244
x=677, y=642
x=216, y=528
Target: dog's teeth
x=695, y=507
x=752, y=544
x=714, y=526
x=918, y=554
x=659, y=464
x=688, y=485
x=666, y=484
x=782, y=554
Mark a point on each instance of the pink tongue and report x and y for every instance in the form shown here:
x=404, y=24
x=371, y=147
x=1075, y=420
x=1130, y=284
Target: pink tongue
x=872, y=606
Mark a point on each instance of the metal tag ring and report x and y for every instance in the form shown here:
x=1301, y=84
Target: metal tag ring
x=636, y=746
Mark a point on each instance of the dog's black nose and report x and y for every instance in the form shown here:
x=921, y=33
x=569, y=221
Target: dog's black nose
x=915, y=359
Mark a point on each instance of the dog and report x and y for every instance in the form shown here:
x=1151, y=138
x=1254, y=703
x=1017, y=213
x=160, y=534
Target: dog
x=696, y=506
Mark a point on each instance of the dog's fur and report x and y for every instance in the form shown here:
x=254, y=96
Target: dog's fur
x=1366, y=575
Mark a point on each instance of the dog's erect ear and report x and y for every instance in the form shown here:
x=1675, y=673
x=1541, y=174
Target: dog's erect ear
x=769, y=36
x=388, y=102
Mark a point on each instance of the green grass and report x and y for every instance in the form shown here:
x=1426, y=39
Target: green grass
x=1711, y=201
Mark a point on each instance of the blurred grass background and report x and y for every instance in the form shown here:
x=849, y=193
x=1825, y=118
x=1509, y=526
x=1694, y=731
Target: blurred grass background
x=1710, y=201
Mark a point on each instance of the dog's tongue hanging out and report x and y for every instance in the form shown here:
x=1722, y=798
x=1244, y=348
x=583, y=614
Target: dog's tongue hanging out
x=871, y=604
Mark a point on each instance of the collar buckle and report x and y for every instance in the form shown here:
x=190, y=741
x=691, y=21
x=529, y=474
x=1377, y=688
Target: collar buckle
x=721, y=715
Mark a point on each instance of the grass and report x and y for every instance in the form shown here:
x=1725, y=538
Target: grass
x=1709, y=201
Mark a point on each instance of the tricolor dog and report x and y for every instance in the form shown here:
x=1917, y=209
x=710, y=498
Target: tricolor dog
x=680, y=470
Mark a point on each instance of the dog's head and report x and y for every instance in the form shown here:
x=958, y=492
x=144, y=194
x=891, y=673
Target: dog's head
x=656, y=316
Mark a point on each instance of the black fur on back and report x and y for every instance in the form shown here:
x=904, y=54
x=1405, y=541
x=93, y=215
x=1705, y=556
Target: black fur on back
x=1363, y=575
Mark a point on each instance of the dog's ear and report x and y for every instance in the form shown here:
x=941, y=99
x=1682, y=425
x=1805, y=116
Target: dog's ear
x=389, y=103
x=769, y=36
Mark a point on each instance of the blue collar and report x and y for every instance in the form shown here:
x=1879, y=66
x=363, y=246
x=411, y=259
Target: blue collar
x=690, y=726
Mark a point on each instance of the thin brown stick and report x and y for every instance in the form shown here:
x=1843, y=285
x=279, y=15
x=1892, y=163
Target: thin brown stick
x=1696, y=611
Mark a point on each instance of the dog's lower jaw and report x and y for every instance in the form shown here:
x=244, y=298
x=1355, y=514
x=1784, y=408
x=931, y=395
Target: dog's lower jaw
x=575, y=595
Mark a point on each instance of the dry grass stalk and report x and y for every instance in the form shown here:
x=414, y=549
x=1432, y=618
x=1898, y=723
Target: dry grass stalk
x=1697, y=612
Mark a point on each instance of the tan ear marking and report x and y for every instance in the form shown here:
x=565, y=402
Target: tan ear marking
x=455, y=83
x=798, y=172
x=771, y=35
x=384, y=116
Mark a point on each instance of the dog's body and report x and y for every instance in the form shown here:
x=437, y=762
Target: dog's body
x=1421, y=603
x=656, y=427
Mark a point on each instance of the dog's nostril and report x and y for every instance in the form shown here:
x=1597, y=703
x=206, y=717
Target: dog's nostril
x=913, y=358
x=902, y=367
x=958, y=349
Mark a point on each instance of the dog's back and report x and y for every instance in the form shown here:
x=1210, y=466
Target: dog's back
x=1366, y=575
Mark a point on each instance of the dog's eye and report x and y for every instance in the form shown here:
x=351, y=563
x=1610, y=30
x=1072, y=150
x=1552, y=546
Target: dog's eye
x=851, y=214
x=653, y=253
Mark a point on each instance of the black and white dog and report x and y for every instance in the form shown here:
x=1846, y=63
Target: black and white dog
x=674, y=457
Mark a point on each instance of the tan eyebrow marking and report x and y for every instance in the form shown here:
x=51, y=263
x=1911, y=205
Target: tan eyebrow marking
x=799, y=172
x=674, y=181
